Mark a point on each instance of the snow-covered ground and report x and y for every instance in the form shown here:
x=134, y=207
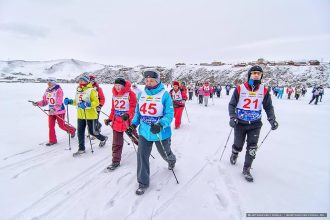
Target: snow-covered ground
x=291, y=170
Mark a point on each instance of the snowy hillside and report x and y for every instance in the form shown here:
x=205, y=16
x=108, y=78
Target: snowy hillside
x=291, y=170
x=68, y=70
x=61, y=69
x=273, y=75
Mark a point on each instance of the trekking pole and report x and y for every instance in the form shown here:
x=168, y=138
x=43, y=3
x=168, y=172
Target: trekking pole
x=104, y=113
x=45, y=111
x=224, y=148
x=133, y=141
x=186, y=113
x=39, y=107
x=112, y=128
x=264, y=138
x=89, y=135
x=67, y=118
x=161, y=143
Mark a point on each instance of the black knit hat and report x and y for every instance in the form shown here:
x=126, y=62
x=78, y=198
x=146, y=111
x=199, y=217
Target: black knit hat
x=120, y=81
x=255, y=68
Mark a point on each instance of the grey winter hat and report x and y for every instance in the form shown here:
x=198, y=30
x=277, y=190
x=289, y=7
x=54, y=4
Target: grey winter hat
x=152, y=74
x=52, y=80
x=84, y=78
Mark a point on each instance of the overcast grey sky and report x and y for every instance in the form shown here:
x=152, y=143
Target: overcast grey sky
x=164, y=32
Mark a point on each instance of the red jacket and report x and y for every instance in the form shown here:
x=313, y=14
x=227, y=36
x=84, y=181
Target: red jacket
x=100, y=93
x=117, y=123
x=178, y=103
x=289, y=90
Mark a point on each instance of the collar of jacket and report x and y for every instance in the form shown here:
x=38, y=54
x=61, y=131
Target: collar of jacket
x=53, y=88
x=88, y=86
x=246, y=84
x=155, y=90
x=126, y=88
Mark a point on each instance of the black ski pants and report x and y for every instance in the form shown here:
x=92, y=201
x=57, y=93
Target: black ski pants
x=250, y=132
x=92, y=128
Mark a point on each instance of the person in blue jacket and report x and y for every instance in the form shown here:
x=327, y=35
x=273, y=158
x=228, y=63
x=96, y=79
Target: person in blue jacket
x=153, y=114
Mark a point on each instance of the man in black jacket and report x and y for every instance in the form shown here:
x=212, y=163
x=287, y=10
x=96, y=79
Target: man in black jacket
x=245, y=117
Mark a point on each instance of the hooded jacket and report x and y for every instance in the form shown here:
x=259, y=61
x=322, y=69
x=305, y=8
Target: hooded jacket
x=117, y=122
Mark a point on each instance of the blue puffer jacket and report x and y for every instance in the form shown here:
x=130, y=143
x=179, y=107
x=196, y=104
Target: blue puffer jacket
x=165, y=121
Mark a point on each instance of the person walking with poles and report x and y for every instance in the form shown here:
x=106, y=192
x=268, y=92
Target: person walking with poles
x=122, y=112
x=245, y=117
x=86, y=101
x=179, y=98
x=53, y=97
x=153, y=114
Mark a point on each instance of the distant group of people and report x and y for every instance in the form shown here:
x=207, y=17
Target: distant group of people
x=299, y=91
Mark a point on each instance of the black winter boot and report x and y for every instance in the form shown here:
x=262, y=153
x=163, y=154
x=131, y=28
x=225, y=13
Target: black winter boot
x=247, y=174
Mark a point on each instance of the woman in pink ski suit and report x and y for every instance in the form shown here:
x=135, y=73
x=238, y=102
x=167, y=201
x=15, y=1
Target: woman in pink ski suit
x=53, y=97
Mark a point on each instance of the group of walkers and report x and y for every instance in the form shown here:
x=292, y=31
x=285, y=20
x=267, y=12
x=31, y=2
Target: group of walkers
x=146, y=115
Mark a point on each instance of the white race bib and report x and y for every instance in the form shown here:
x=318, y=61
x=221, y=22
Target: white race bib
x=177, y=96
x=84, y=96
x=250, y=104
x=121, y=104
x=151, y=107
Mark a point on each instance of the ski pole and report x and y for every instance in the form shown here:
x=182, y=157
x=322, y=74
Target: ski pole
x=44, y=111
x=39, y=107
x=89, y=135
x=104, y=113
x=224, y=148
x=133, y=141
x=67, y=118
x=264, y=138
x=161, y=143
x=112, y=128
x=186, y=113
x=48, y=114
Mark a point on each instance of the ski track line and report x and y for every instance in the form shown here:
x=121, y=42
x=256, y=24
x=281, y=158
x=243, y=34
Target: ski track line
x=100, y=179
x=53, y=150
x=80, y=181
x=17, y=154
x=62, y=187
x=228, y=182
x=164, y=181
x=232, y=190
x=167, y=203
x=114, y=199
x=31, y=159
x=27, y=169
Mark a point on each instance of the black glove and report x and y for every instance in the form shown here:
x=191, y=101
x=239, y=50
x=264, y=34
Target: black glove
x=233, y=122
x=125, y=117
x=107, y=121
x=155, y=128
x=274, y=124
x=98, y=108
x=130, y=129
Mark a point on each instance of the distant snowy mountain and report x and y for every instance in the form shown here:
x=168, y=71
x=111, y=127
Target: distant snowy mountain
x=69, y=70
x=61, y=69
